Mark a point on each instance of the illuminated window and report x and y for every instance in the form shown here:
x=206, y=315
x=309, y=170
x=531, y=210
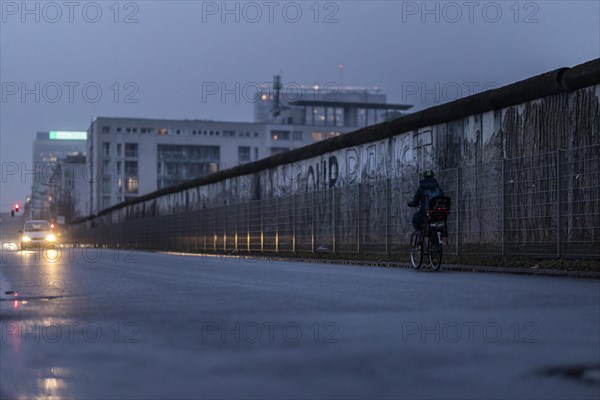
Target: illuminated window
x=132, y=185
x=317, y=136
x=280, y=135
x=211, y=168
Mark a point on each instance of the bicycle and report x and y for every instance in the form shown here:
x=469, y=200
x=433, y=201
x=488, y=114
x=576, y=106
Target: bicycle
x=431, y=243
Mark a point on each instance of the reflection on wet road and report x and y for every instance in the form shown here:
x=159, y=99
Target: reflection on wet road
x=102, y=323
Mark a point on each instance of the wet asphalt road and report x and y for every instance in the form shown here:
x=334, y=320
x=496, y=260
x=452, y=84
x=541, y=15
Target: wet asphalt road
x=150, y=325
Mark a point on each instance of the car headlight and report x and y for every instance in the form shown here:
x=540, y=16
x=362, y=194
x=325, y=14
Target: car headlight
x=50, y=238
x=26, y=239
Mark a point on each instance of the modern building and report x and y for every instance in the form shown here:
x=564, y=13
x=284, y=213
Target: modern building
x=48, y=149
x=134, y=156
x=71, y=189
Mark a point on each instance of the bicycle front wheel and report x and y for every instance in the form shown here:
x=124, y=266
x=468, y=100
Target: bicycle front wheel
x=416, y=251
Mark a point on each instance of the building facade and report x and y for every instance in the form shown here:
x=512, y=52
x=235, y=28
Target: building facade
x=71, y=190
x=48, y=149
x=131, y=157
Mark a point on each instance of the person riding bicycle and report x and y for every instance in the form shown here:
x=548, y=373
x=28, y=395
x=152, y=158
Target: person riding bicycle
x=428, y=189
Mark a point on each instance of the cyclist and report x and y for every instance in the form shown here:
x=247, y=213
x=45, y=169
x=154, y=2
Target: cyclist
x=428, y=189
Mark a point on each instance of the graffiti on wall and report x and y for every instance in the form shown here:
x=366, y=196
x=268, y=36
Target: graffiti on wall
x=395, y=157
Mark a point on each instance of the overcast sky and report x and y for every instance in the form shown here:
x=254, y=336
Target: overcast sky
x=162, y=53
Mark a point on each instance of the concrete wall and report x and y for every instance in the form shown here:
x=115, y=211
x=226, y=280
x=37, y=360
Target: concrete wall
x=559, y=110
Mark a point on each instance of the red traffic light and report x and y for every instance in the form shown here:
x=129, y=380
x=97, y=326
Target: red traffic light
x=17, y=207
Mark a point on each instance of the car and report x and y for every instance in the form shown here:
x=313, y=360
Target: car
x=37, y=233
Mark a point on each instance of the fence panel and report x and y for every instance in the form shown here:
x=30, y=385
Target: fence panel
x=544, y=205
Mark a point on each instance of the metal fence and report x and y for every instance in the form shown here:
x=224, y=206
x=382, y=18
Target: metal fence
x=542, y=206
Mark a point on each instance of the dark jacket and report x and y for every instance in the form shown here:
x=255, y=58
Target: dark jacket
x=419, y=198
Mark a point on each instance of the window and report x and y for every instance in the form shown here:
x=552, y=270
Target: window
x=280, y=135
x=361, y=117
x=119, y=168
x=131, y=168
x=244, y=154
x=317, y=136
x=106, y=185
x=119, y=129
x=339, y=116
x=106, y=129
x=132, y=185
x=318, y=116
x=119, y=150
x=297, y=135
x=106, y=167
x=106, y=149
x=188, y=153
x=256, y=153
x=131, y=150
x=179, y=163
x=134, y=130
x=162, y=131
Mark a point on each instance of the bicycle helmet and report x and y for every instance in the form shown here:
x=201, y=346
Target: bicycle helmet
x=428, y=174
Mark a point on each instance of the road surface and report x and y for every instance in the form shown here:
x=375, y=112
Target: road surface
x=89, y=323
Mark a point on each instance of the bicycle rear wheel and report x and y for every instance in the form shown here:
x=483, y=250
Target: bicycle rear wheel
x=416, y=251
x=435, y=253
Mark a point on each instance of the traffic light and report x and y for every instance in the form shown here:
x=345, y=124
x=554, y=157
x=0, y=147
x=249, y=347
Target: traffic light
x=17, y=207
